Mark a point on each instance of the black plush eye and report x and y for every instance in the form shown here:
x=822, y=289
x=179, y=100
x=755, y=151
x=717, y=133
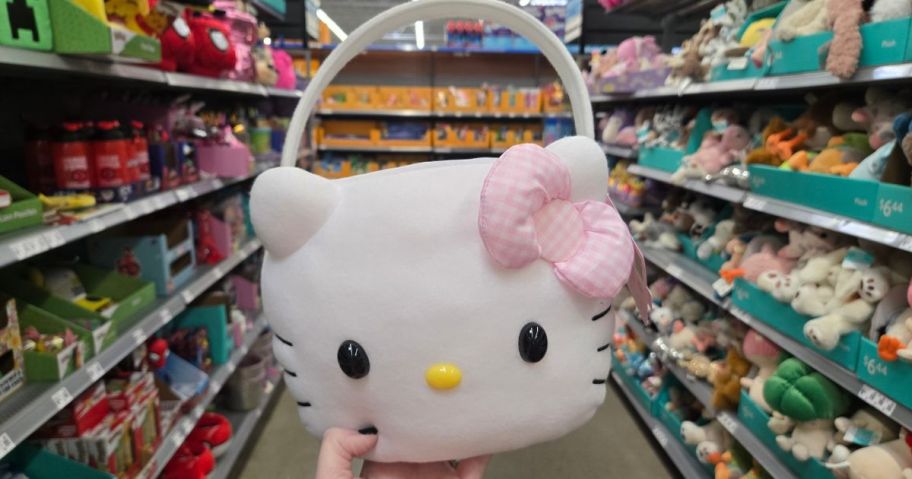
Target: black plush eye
x=533, y=342
x=353, y=360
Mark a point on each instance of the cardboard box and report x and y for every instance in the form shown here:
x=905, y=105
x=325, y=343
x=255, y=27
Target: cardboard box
x=78, y=31
x=783, y=318
x=26, y=209
x=856, y=199
x=632, y=81
x=25, y=24
x=45, y=366
x=214, y=319
x=78, y=417
x=224, y=160
x=664, y=159
x=349, y=97
x=38, y=463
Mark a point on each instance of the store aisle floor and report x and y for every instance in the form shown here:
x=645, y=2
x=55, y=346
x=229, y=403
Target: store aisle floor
x=612, y=445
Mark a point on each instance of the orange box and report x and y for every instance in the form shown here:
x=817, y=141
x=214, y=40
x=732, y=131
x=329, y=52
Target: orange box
x=514, y=100
x=463, y=100
x=404, y=98
x=349, y=97
x=507, y=135
x=464, y=135
x=342, y=133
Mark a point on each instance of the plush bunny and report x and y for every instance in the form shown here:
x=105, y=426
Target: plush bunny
x=369, y=342
x=713, y=155
x=889, y=460
x=724, y=232
x=870, y=421
x=708, y=439
x=807, y=18
x=807, y=439
x=856, y=293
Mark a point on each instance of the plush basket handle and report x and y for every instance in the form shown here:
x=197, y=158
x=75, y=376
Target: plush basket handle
x=410, y=12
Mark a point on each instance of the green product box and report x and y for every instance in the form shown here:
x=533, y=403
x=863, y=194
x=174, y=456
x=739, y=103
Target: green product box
x=665, y=159
x=856, y=198
x=783, y=318
x=214, y=319
x=734, y=70
x=277, y=5
x=889, y=377
x=25, y=24
x=101, y=330
x=78, y=31
x=26, y=209
x=38, y=463
x=635, y=388
x=894, y=207
x=50, y=367
x=132, y=295
x=883, y=43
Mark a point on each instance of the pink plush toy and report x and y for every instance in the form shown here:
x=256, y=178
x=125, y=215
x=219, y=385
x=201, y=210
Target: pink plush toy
x=881, y=108
x=714, y=154
x=804, y=241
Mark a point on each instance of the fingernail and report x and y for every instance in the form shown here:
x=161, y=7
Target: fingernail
x=368, y=430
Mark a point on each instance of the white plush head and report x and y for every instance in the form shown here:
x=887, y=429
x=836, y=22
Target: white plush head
x=394, y=261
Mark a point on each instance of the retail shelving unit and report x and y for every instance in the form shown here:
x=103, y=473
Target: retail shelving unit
x=19, y=61
x=27, y=409
x=440, y=114
x=184, y=425
x=703, y=392
x=683, y=460
x=619, y=151
x=727, y=193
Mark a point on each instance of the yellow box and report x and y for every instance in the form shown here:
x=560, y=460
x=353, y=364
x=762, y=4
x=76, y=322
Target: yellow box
x=462, y=100
x=343, y=133
x=349, y=97
x=466, y=135
x=515, y=100
x=404, y=98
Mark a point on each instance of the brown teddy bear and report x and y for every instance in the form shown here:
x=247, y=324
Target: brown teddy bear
x=725, y=377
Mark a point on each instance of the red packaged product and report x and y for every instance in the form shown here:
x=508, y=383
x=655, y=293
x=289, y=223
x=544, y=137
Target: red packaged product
x=71, y=153
x=39, y=161
x=110, y=155
x=139, y=170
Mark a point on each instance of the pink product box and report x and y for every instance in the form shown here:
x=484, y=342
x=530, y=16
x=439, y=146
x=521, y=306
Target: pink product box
x=246, y=292
x=631, y=82
x=221, y=233
x=224, y=161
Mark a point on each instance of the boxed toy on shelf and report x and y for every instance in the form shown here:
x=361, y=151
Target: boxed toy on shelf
x=462, y=135
x=53, y=348
x=350, y=97
x=453, y=99
x=415, y=98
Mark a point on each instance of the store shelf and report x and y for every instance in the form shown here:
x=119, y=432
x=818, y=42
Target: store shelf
x=619, y=151
x=27, y=409
x=700, y=280
x=682, y=459
x=282, y=92
x=727, y=193
x=183, y=426
x=629, y=211
x=440, y=150
x=24, y=244
x=439, y=114
x=29, y=62
x=243, y=425
x=802, y=81
x=829, y=221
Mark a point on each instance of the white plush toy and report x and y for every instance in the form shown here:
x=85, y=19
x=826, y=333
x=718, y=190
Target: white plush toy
x=889, y=460
x=451, y=307
x=884, y=10
x=866, y=426
x=856, y=294
x=708, y=439
x=807, y=439
x=724, y=232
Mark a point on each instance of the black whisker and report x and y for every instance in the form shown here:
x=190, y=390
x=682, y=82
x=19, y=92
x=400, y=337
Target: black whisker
x=599, y=381
x=368, y=430
x=303, y=404
x=287, y=342
x=292, y=374
x=602, y=314
x=602, y=348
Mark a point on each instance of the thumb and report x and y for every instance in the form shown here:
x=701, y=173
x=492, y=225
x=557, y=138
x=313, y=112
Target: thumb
x=339, y=447
x=472, y=468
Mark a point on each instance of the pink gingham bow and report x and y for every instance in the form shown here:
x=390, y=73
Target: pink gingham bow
x=526, y=214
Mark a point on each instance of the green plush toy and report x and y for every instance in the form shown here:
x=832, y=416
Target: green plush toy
x=801, y=393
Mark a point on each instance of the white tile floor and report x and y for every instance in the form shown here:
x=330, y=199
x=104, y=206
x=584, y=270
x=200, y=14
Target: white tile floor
x=612, y=445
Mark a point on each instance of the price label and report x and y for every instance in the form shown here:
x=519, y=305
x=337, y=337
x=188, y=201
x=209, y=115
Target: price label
x=186, y=427
x=739, y=63
x=754, y=203
x=95, y=371
x=876, y=399
x=674, y=270
x=159, y=203
x=183, y=194
x=29, y=247
x=138, y=336
x=904, y=243
x=188, y=296
x=165, y=316
x=722, y=288
x=96, y=226
x=214, y=387
x=728, y=422
x=130, y=212
x=61, y=398
x=6, y=444
x=839, y=223
x=660, y=435
x=219, y=272
x=768, y=83
x=217, y=184
x=54, y=239
x=178, y=438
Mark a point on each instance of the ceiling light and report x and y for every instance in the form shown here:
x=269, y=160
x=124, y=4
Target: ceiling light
x=333, y=26
x=419, y=34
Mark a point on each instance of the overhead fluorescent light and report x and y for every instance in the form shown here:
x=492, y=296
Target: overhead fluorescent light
x=333, y=26
x=419, y=34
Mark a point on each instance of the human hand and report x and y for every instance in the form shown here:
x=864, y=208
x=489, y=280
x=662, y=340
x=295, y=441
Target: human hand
x=340, y=446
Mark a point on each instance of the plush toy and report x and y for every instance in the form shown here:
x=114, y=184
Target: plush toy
x=725, y=377
x=242, y=30
x=715, y=153
x=889, y=460
x=262, y=57
x=178, y=47
x=127, y=13
x=864, y=428
x=884, y=10
x=655, y=233
x=215, y=53
x=284, y=67
x=528, y=236
x=755, y=264
x=807, y=439
x=856, y=293
x=618, y=120
x=893, y=317
x=804, y=241
x=808, y=17
x=724, y=232
x=844, y=17
x=765, y=355
x=709, y=439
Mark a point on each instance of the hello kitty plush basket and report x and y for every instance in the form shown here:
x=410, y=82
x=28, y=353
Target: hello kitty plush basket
x=457, y=308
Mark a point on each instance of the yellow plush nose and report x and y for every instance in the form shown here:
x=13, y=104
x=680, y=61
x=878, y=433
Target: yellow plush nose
x=443, y=376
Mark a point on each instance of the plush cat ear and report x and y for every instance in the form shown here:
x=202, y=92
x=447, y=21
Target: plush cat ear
x=587, y=164
x=288, y=205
